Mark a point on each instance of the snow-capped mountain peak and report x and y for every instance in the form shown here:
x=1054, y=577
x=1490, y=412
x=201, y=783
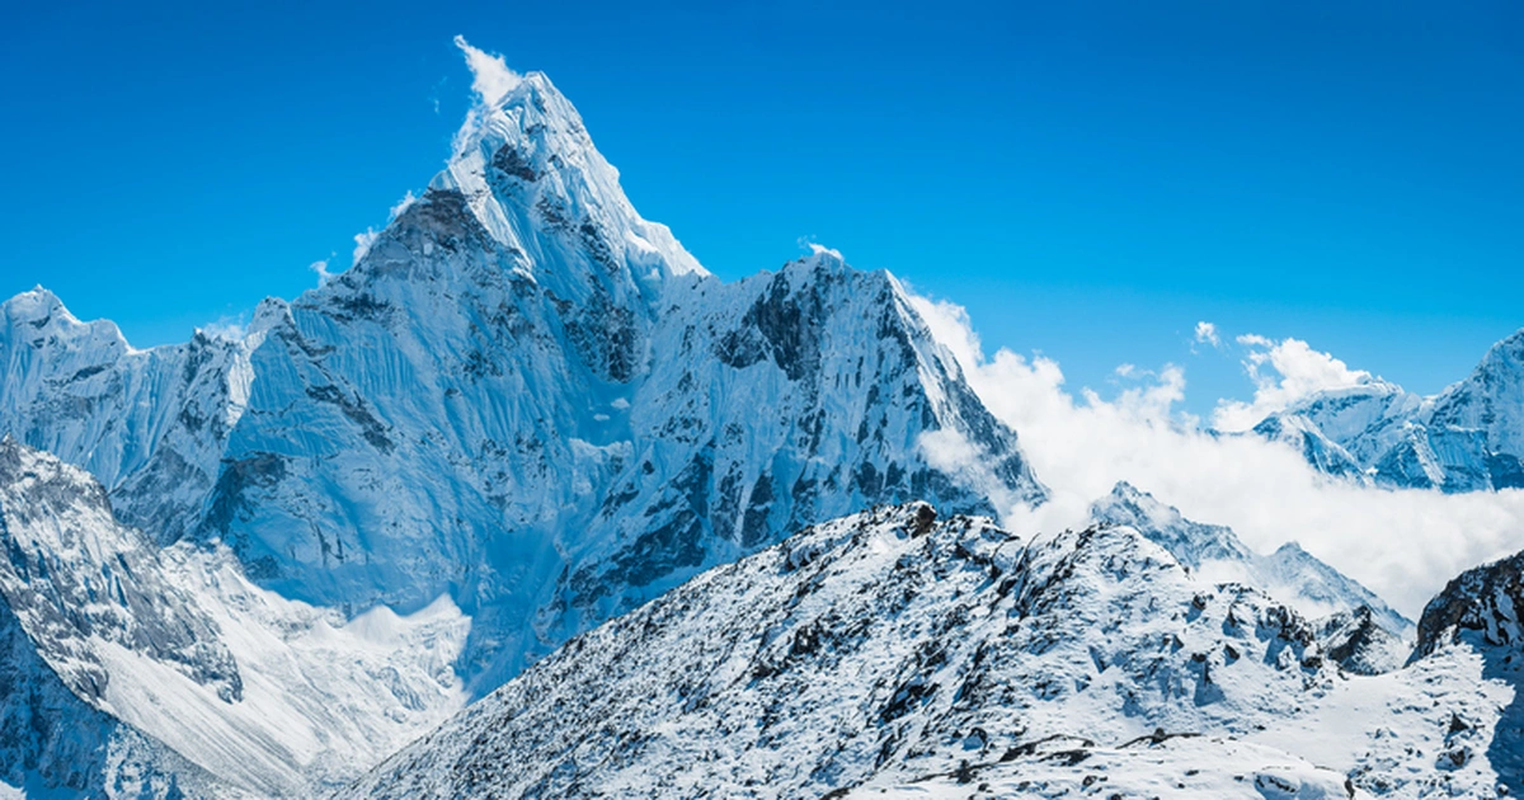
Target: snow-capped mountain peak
x=525, y=397
x=1190, y=542
x=527, y=167
x=1468, y=437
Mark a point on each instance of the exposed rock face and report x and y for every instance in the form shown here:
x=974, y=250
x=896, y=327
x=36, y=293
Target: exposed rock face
x=1359, y=644
x=71, y=575
x=1469, y=437
x=1480, y=605
x=1480, y=610
x=54, y=744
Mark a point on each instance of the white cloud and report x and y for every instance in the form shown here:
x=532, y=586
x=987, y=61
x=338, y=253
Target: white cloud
x=491, y=78
x=1283, y=373
x=1206, y=333
x=1404, y=545
x=363, y=241
x=402, y=205
x=819, y=249
x=321, y=268
x=232, y=329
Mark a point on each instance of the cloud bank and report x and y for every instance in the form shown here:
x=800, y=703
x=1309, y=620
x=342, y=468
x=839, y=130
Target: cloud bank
x=1404, y=545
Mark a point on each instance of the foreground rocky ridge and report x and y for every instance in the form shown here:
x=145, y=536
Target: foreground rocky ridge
x=897, y=651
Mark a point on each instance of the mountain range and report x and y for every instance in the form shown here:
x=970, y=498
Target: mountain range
x=529, y=483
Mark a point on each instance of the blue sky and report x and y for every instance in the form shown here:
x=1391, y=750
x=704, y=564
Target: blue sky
x=1090, y=179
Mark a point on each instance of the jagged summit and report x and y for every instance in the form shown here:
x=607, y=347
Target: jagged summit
x=40, y=317
x=1191, y=542
x=526, y=165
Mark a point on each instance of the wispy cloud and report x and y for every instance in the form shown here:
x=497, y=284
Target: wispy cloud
x=1402, y=544
x=1283, y=373
x=363, y=241
x=1206, y=333
x=230, y=328
x=321, y=268
x=402, y=205
x=816, y=248
x=491, y=78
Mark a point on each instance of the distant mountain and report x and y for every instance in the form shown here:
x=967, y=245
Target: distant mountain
x=1469, y=437
x=1290, y=573
x=898, y=652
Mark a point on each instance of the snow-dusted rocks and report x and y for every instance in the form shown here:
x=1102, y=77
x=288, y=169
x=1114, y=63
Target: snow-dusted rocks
x=55, y=744
x=1469, y=437
x=1479, y=612
x=74, y=578
x=895, y=650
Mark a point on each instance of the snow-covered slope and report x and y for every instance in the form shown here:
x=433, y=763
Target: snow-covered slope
x=1215, y=551
x=1479, y=612
x=1469, y=437
x=898, y=652
x=126, y=664
x=55, y=744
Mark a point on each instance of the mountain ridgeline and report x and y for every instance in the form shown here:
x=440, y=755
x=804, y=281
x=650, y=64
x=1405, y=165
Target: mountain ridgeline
x=680, y=537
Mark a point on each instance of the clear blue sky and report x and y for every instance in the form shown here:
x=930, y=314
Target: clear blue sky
x=1088, y=178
